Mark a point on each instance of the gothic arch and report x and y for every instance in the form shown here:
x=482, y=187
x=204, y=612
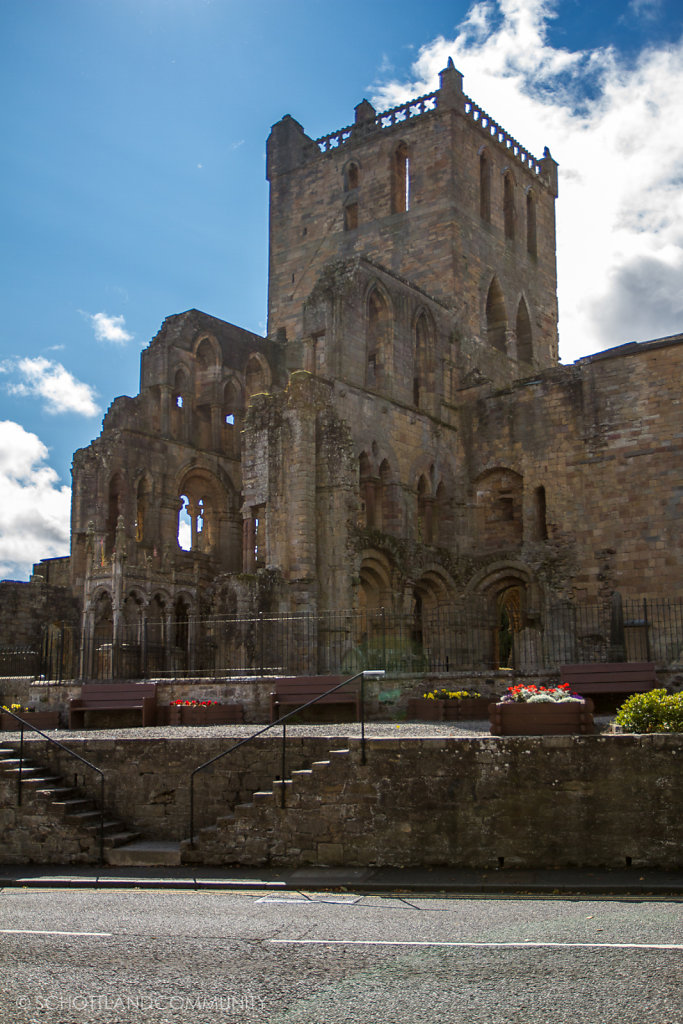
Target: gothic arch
x=531, y=242
x=257, y=375
x=424, y=335
x=510, y=591
x=203, y=503
x=143, y=504
x=351, y=174
x=207, y=353
x=496, y=317
x=117, y=501
x=377, y=580
x=485, y=185
x=525, y=346
x=509, y=205
x=379, y=331
x=180, y=404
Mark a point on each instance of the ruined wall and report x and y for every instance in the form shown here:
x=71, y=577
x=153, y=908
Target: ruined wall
x=26, y=609
x=603, y=439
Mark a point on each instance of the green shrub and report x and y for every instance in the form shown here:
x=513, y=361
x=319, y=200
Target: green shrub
x=656, y=711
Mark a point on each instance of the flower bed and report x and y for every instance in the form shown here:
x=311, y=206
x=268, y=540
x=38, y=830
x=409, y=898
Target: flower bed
x=530, y=710
x=448, y=706
x=200, y=712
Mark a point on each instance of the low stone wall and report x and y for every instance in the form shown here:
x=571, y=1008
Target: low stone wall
x=386, y=699
x=485, y=802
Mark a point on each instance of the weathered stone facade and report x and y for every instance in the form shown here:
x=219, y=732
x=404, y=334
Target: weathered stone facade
x=404, y=438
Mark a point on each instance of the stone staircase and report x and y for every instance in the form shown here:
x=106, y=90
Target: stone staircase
x=255, y=833
x=59, y=800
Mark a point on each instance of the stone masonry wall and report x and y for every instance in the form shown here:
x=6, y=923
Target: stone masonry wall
x=484, y=802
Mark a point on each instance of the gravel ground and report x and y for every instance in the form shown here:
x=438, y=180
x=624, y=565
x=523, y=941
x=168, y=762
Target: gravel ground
x=352, y=730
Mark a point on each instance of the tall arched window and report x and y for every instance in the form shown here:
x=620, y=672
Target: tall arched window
x=367, y=487
x=531, y=224
x=424, y=511
x=400, y=179
x=378, y=340
x=525, y=348
x=509, y=206
x=257, y=375
x=351, y=177
x=423, y=358
x=485, y=186
x=496, y=317
x=141, y=510
x=540, y=525
x=179, y=409
x=115, y=508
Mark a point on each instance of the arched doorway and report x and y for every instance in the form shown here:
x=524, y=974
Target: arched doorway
x=509, y=622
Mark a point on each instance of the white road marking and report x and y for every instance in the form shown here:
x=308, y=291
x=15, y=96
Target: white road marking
x=35, y=931
x=480, y=945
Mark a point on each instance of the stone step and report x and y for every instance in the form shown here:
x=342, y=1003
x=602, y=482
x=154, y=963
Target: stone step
x=83, y=817
x=143, y=853
x=121, y=838
x=263, y=796
x=41, y=783
x=110, y=828
x=73, y=806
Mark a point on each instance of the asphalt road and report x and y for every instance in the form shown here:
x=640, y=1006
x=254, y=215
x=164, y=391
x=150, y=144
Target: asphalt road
x=207, y=957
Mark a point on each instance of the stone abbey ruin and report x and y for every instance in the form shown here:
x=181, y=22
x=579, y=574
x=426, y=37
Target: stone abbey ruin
x=403, y=446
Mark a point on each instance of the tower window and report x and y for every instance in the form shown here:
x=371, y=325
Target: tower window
x=400, y=180
x=485, y=187
x=531, y=224
x=509, y=206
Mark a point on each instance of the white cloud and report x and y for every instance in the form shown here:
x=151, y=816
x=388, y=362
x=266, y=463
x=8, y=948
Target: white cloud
x=110, y=328
x=614, y=128
x=35, y=510
x=44, y=378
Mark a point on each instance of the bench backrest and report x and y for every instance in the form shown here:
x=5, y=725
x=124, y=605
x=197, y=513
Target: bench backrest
x=117, y=692
x=309, y=686
x=614, y=672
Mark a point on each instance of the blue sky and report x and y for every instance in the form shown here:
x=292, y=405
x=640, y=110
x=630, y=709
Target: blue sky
x=133, y=179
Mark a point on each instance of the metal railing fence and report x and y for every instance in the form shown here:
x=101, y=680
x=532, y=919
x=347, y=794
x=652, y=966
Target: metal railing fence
x=459, y=637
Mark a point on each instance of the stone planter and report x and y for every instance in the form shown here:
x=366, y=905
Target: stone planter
x=519, y=719
x=40, y=719
x=424, y=709
x=467, y=708
x=212, y=714
x=447, y=710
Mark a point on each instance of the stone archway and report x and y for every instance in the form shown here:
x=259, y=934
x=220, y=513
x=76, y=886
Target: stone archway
x=512, y=597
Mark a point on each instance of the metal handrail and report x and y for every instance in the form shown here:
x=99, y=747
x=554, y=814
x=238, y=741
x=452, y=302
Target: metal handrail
x=73, y=753
x=366, y=673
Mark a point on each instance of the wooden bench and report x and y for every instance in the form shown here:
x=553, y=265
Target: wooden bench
x=294, y=691
x=114, y=697
x=617, y=677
